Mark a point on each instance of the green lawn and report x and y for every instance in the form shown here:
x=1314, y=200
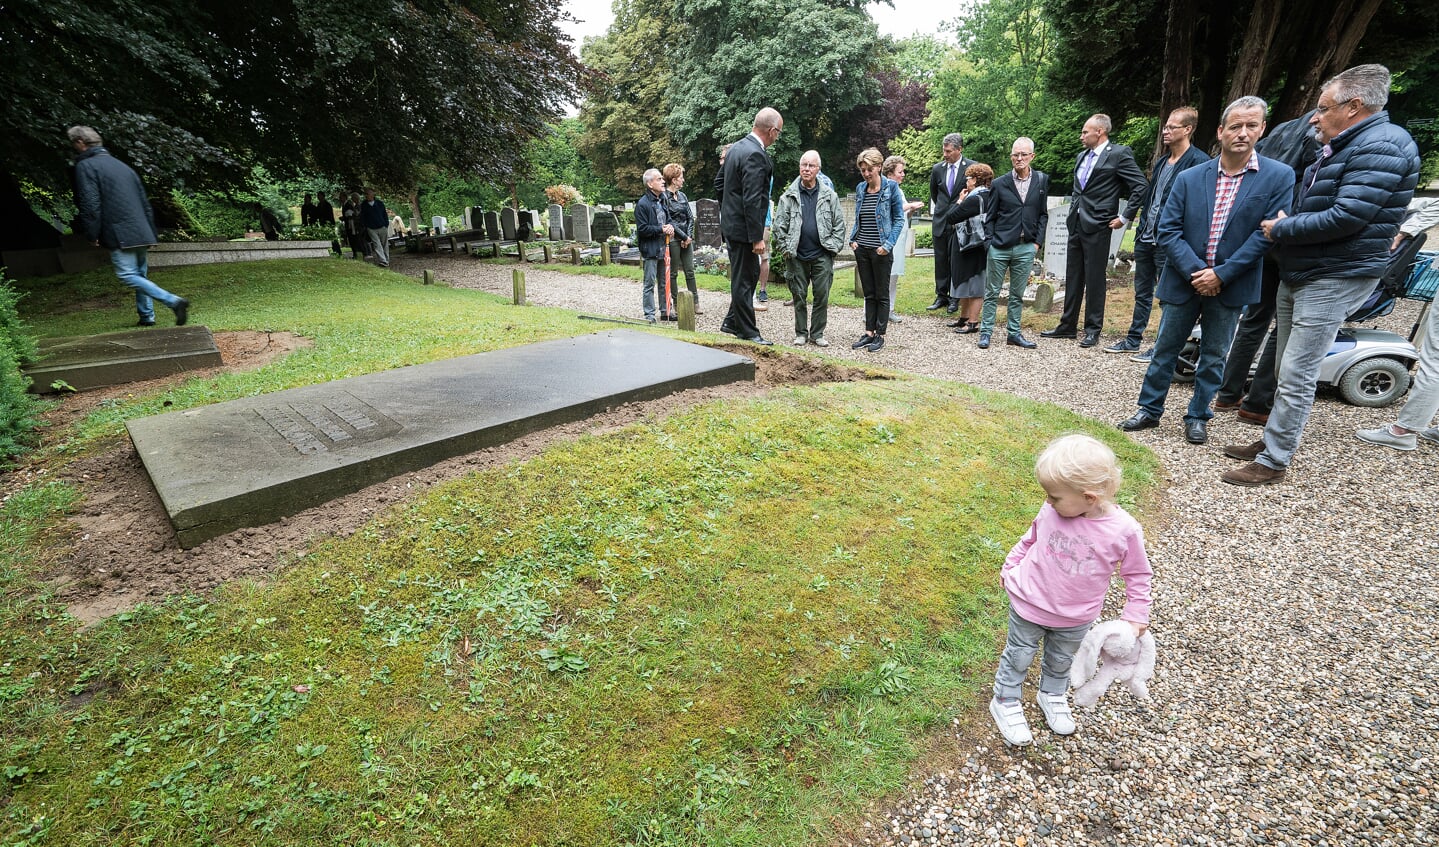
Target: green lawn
x=732, y=626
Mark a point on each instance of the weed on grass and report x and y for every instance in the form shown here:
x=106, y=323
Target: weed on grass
x=728, y=627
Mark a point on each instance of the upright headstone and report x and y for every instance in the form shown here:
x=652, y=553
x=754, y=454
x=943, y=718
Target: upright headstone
x=605, y=226
x=537, y=226
x=472, y=217
x=439, y=225
x=580, y=222
x=509, y=223
x=492, y=226
x=1056, y=241
x=629, y=207
x=557, y=222
x=707, y=223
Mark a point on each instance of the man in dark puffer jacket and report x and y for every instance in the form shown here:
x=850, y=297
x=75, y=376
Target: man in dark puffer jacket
x=1331, y=251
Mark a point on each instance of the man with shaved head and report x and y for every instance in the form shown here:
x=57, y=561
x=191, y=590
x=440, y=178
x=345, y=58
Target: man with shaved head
x=744, y=205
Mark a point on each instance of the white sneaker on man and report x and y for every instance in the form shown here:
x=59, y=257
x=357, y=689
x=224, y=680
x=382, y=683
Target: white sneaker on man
x=1056, y=713
x=1430, y=434
x=1009, y=717
x=1385, y=436
x=821, y=341
x=799, y=341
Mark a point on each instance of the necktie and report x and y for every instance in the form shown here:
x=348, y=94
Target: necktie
x=949, y=180
x=1088, y=166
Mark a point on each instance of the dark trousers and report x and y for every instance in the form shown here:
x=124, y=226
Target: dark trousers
x=1149, y=262
x=743, y=276
x=1253, y=328
x=873, y=270
x=1084, y=280
x=943, y=270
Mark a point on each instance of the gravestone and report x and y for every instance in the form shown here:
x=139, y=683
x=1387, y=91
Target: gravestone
x=707, y=223
x=94, y=361
x=605, y=225
x=251, y=461
x=492, y=226
x=580, y=222
x=1056, y=241
x=557, y=222
x=537, y=225
x=509, y=223
x=439, y=224
x=472, y=216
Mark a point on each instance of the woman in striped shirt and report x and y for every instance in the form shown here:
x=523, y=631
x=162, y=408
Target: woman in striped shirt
x=878, y=220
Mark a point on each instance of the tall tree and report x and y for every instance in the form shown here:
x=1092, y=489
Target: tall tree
x=811, y=59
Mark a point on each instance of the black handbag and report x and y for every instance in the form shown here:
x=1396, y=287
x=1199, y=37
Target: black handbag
x=971, y=234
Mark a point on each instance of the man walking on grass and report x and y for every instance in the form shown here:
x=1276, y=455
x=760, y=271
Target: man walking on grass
x=115, y=213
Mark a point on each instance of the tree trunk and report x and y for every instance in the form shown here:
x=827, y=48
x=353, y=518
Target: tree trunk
x=1178, y=62
x=1326, y=53
x=1220, y=23
x=1251, y=66
x=415, y=222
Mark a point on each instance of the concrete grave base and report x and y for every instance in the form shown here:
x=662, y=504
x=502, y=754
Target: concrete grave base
x=95, y=361
x=251, y=461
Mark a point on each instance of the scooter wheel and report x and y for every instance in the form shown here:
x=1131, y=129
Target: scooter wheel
x=1374, y=382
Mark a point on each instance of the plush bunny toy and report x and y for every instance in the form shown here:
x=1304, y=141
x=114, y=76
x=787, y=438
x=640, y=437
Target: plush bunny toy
x=1126, y=658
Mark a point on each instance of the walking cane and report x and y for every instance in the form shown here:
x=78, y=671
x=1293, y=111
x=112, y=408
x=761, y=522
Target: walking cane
x=668, y=301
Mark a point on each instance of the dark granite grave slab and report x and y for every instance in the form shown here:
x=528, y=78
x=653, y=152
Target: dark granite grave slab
x=251, y=461
x=95, y=361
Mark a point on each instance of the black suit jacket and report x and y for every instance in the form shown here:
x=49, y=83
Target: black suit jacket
x=942, y=199
x=1012, y=222
x=1097, y=203
x=744, y=205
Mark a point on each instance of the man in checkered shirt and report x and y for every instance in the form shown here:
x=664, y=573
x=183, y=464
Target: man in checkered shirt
x=1209, y=230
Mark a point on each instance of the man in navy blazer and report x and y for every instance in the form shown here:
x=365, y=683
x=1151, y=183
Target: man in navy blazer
x=744, y=205
x=1210, y=233
x=1102, y=173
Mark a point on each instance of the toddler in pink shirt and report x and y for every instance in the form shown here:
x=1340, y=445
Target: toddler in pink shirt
x=1057, y=576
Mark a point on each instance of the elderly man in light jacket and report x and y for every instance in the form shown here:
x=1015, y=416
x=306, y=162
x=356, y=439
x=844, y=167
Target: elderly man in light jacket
x=809, y=228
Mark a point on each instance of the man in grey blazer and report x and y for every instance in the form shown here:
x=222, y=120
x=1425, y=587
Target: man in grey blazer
x=1018, y=216
x=1103, y=174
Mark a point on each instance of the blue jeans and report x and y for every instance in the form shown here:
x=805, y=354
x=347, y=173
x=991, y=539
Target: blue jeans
x=133, y=269
x=1149, y=263
x=647, y=299
x=1308, y=317
x=1017, y=262
x=1216, y=322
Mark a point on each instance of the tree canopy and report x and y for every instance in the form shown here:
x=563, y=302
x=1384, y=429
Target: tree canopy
x=364, y=89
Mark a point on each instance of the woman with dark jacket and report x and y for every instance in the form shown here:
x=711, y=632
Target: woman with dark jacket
x=682, y=245
x=967, y=216
x=350, y=223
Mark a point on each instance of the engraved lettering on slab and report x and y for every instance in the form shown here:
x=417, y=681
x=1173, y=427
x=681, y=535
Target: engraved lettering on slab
x=317, y=427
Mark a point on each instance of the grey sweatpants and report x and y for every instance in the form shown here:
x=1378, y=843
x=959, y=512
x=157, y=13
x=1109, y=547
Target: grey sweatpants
x=1022, y=643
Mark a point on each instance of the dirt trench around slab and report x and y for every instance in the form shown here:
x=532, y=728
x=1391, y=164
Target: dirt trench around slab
x=118, y=550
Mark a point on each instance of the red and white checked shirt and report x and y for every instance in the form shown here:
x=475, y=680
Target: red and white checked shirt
x=1224, y=191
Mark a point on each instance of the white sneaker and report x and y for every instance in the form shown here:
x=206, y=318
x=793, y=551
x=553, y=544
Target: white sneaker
x=824, y=342
x=799, y=341
x=1430, y=434
x=1009, y=717
x=760, y=306
x=1056, y=713
x=1385, y=436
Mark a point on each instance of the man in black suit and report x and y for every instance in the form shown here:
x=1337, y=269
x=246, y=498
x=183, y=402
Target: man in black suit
x=1018, y=216
x=946, y=181
x=1101, y=174
x=744, y=205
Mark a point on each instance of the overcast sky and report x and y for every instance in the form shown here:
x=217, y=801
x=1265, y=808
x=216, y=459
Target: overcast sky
x=905, y=19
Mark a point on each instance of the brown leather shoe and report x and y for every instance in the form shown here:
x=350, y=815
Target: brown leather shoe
x=1221, y=406
x=1251, y=475
x=1245, y=452
x=1253, y=417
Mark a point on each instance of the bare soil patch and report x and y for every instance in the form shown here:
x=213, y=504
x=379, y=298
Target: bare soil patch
x=118, y=549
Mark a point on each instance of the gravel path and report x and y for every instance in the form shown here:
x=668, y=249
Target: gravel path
x=1297, y=696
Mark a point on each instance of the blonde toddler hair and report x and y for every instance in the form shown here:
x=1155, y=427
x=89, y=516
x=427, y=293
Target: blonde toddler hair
x=1080, y=463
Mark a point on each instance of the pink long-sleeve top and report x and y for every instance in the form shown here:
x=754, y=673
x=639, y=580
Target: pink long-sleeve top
x=1059, y=571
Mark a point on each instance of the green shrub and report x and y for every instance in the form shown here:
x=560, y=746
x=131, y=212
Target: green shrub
x=923, y=237
x=18, y=407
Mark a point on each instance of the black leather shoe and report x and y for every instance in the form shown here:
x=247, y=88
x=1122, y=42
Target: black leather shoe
x=728, y=330
x=968, y=328
x=1059, y=332
x=1141, y=420
x=1196, y=431
x=953, y=324
x=953, y=307
x=182, y=311
x=1018, y=340
x=1089, y=340
x=939, y=303
x=145, y=323
x=760, y=339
